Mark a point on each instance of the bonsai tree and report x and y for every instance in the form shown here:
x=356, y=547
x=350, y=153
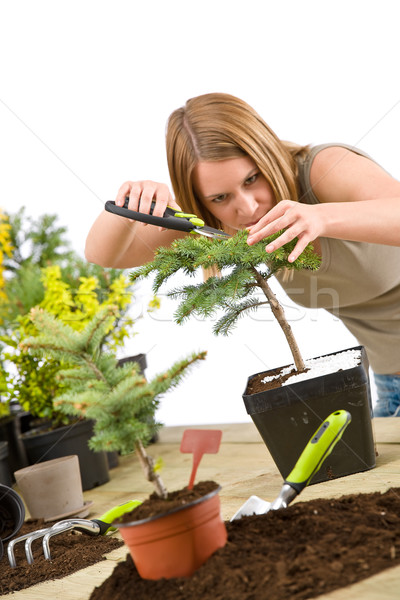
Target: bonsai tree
x=243, y=272
x=120, y=400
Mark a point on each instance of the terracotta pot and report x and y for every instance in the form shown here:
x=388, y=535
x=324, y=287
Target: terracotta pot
x=177, y=543
x=52, y=489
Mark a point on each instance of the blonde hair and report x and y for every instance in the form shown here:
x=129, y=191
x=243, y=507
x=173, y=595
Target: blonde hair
x=215, y=127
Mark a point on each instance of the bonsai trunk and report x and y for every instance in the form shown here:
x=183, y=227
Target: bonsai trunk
x=147, y=464
x=279, y=314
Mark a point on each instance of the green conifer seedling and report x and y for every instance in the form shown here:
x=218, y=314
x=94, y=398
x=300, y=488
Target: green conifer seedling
x=243, y=272
x=120, y=400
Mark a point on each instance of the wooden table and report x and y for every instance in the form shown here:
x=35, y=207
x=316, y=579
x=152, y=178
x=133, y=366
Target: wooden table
x=243, y=467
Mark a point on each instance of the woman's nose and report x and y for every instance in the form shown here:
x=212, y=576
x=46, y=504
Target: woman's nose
x=246, y=204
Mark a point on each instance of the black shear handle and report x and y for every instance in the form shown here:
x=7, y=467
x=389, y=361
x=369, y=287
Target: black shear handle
x=169, y=221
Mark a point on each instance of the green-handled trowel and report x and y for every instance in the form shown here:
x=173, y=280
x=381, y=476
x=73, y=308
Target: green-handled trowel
x=318, y=448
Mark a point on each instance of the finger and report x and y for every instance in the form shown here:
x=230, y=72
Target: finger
x=172, y=203
x=298, y=249
x=135, y=196
x=162, y=199
x=276, y=225
x=123, y=191
x=280, y=210
x=283, y=239
x=146, y=198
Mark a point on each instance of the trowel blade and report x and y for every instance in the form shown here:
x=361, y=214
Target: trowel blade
x=253, y=506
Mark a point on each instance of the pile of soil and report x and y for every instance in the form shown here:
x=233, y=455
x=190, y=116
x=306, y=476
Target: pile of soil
x=70, y=552
x=306, y=550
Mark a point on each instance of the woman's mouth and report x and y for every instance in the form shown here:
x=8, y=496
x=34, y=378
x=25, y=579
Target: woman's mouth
x=248, y=225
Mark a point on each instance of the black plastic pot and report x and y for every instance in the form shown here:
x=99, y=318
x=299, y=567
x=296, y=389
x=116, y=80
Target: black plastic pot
x=67, y=440
x=12, y=513
x=286, y=418
x=140, y=359
x=10, y=431
x=5, y=476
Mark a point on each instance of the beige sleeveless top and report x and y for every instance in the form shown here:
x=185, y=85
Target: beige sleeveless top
x=356, y=281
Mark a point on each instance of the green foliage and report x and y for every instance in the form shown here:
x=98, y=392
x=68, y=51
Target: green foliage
x=6, y=249
x=31, y=246
x=240, y=265
x=36, y=384
x=120, y=400
x=77, y=307
x=37, y=242
x=4, y=410
x=39, y=269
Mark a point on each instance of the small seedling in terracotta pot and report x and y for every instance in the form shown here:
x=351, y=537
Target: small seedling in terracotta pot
x=122, y=404
x=282, y=407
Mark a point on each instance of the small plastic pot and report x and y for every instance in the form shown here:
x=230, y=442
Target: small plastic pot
x=177, y=543
x=12, y=513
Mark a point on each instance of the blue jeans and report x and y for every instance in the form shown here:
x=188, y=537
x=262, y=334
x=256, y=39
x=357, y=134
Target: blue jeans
x=388, y=403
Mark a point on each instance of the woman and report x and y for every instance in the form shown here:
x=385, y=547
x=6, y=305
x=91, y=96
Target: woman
x=228, y=167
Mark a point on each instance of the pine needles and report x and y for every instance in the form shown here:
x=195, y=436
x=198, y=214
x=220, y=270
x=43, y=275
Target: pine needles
x=242, y=267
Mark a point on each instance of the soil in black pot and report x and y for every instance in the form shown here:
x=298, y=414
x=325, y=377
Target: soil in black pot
x=306, y=550
x=257, y=383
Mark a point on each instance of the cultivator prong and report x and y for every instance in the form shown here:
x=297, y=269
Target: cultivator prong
x=21, y=538
x=101, y=526
x=84, y=525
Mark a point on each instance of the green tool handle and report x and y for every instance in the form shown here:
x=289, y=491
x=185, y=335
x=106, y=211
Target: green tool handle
x=172, y=219
x=318, y=448
x=104, y=522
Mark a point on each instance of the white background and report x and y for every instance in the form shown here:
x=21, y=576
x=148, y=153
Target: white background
x=86, y=88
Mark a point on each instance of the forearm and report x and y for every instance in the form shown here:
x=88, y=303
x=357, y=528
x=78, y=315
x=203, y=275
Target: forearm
x=109, y=239
x=117, y=242
x=374, y=221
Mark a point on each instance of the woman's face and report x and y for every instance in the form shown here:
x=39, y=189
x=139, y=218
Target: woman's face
x=234, y=191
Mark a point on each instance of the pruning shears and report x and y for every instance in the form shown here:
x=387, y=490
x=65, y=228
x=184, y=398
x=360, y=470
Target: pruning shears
x=171, y=219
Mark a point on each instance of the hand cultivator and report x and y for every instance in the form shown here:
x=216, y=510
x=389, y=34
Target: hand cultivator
x=93, y=527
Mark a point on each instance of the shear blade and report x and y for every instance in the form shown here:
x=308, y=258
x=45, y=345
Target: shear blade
x=211, y=233
x=253, y=506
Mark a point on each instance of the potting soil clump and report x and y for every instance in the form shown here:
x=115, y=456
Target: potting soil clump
x=301, y=552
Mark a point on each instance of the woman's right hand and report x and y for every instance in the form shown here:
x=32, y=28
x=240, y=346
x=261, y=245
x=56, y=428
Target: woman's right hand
x=142, y=193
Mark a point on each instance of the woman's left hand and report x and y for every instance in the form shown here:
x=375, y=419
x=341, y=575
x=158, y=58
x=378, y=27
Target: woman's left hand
x=297, y=220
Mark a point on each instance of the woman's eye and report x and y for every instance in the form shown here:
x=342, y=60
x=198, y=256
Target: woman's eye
x=220, y=198
x=252, y=179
